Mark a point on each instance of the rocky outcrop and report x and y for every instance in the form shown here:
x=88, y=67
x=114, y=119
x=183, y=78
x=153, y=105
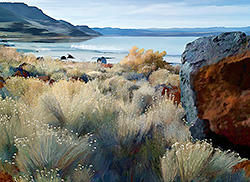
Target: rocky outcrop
x=243, y=165
x=5, y=177
x=2, y=82
x=215, y=86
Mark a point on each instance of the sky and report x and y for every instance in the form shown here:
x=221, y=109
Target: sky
x=147, y=13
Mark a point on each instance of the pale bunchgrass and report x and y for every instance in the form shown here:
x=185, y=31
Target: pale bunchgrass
x=118, y=69
x=165, y=112
x=197, y=161
x=27, y=89
x=177, y=132
x=82, y=174
x=18, y=124
x=164, y=76
x=118, y=87
x=50, y=176
x=17, y=86
x=74, y=72
x=51, y=150
x=144, y=137
x=77, y=106
x=161, y=112
x=7, y=147
x=8, y=107
x=44, y=175
x=10, y=55
x=142, y=99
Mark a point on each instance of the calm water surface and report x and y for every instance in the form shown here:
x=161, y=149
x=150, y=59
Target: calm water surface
x=114, y=47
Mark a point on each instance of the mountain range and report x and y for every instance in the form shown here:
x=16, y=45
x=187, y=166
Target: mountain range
x=21, y=20
x=196, y=32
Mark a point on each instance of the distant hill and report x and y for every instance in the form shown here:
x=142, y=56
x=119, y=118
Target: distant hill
x=87, y=30
x=19, y=19
x=196, y=32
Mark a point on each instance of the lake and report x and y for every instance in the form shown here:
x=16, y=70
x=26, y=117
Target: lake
x=113, y=47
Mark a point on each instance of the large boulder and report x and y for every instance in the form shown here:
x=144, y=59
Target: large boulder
x=215, y=86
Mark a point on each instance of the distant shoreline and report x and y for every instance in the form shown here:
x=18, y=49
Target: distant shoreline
x=45, y=39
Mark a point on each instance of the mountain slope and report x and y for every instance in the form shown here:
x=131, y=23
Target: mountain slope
x=26, y=11
x=32, y=21
x=7, y=16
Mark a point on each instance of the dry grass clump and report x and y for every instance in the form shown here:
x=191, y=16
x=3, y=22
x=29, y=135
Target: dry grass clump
x=197, y=161
x=9, y=55
x=164, y=76
x=118, y=87
x=50, y=150
x=26, y=89
x=8, y=107
x=76, y=106
x=138, y=60
x=142, y=99
x=82, y=173
x=118, y=69
x=74, y=72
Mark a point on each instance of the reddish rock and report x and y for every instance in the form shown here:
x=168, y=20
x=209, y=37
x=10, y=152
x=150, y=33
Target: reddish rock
x=172, y=91
x=22, y=73
x=46, y=79
x=107, y=65
x=2, y=82
x=5, y=177
x=223, y=97
x=243, y=165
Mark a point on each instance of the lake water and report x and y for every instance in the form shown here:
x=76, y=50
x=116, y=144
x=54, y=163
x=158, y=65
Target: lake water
x=113, y=47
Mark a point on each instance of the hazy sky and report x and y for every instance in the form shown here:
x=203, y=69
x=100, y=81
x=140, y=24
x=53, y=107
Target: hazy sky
x=147, y=13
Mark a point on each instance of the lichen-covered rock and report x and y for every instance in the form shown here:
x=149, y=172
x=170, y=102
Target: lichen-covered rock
x=215, y=75
x=223, y=97
x=2, y=82
x=243, y=165
x=5, y=177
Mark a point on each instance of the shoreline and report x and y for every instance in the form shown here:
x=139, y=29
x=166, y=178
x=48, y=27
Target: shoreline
x=46, y=39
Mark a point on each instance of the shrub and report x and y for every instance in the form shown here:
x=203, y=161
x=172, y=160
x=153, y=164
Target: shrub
x=49, y=149
x=76, y=106
x=137, y=59
x=197, y=161
x=82, y=173
x=28, y=89
x=142, y=99
x=118, y=87
x=164, y=76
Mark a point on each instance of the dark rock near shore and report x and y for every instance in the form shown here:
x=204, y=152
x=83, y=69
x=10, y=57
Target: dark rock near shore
x=85, y=78
x=63, y=58
x=70, y=56
x=215, y=89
